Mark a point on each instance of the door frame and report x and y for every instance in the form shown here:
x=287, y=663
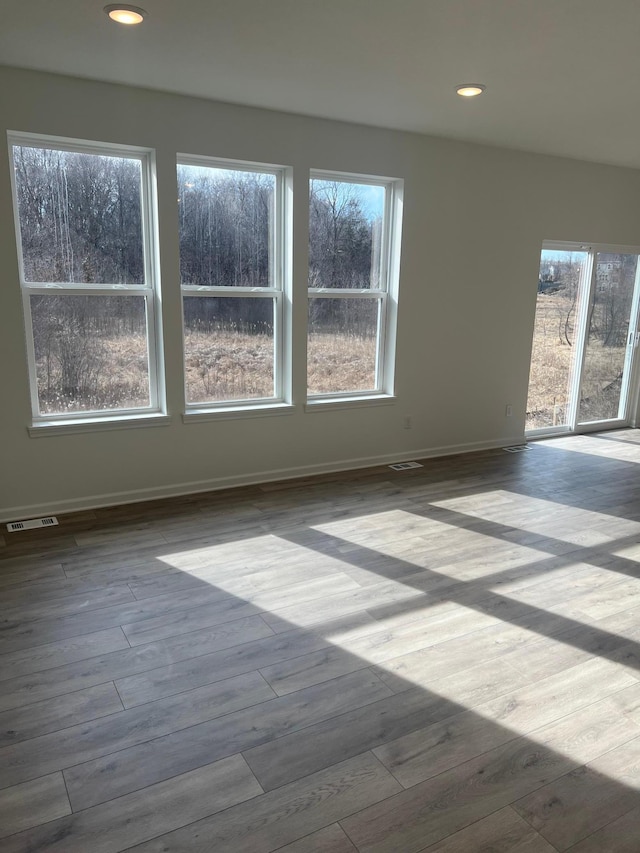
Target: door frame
x=629, y=391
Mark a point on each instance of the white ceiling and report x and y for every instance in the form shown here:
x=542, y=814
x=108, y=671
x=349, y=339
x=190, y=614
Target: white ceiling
x=562, y=76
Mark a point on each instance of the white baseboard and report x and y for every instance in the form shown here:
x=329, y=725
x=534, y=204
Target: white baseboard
x=89, y=502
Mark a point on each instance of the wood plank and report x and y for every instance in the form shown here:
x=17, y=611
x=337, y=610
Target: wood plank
x=114, y=826
x=96, y=670
x=32, y=803
x=249, y=526
x=332, y=839
x=607, y=638
x=299, y=754
x=50, y=655
x=185, y=620
x=45, y=545
x=607, y=600
x=296, y=755
x=80, y=743
x=333, y=606
x=283, y=816
x=47, y=588
x=29, y=570
x=122, y=536
x=17, y=635
x=581, y=802
x=434, y=809
x=96, y=599
x=373, y=647
x=593, y=731
x=148, y=559
x=424, y=753
x=197, y=744
x=463, y=653
x=41, y=718
x=198, y=668
x=619, y=836
x=100, y=570
x=558, y=649
x=502, y=832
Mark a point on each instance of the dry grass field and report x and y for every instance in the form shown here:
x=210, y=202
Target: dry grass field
x=84, y=374
x=228, y=365
x=338, y=363
x=550, y=373
x=551, y=370
x=233, y=366
x=111, y=372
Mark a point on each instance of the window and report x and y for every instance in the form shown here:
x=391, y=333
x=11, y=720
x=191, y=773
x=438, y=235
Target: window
x=353, y=243
x=88, y=279
x=232, y=276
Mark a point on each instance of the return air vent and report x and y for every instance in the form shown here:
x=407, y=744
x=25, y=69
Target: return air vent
x=404, y=466
x=49, y=521
x=517, y=448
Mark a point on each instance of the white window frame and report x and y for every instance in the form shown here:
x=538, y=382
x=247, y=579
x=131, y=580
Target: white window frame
x=386, y=294
x=149, y=290
x=279, y=293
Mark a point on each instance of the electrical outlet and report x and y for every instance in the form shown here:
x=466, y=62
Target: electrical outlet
x=407, y=422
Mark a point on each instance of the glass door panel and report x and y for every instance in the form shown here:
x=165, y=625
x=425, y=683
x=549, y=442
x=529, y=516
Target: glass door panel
x=553, y=358
x=607, y=341
x=585, y=338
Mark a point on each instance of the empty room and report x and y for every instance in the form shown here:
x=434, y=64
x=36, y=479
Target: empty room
x=319, y=335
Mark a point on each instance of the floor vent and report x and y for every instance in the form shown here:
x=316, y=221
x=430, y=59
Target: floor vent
x=49, y=521
x=404, y=466
x=517, y=448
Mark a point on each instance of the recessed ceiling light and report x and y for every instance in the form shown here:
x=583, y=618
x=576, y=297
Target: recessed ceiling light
x=470, y=90
x=125, y=14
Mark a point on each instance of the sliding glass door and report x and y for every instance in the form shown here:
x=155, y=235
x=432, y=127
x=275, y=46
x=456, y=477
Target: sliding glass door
x=585, y=339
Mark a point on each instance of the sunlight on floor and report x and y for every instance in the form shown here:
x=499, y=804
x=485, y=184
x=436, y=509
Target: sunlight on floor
x=439, y=624
x=545, y=517
x=607, y=447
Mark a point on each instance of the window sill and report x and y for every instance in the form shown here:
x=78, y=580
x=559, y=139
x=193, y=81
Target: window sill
x=197, y=416
x=330, y=403
x=70, y=427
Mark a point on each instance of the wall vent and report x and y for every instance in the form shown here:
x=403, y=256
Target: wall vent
x=404, y=466
x=517, y=448
x=49, y=521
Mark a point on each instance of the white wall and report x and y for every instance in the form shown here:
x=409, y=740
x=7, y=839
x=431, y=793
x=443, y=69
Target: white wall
x=474, y=221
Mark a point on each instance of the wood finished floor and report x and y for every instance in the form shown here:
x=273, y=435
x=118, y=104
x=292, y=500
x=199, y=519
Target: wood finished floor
x=444, y=660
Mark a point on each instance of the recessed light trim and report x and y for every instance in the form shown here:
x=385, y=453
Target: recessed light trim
x=125, y=14
x=470, y=90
